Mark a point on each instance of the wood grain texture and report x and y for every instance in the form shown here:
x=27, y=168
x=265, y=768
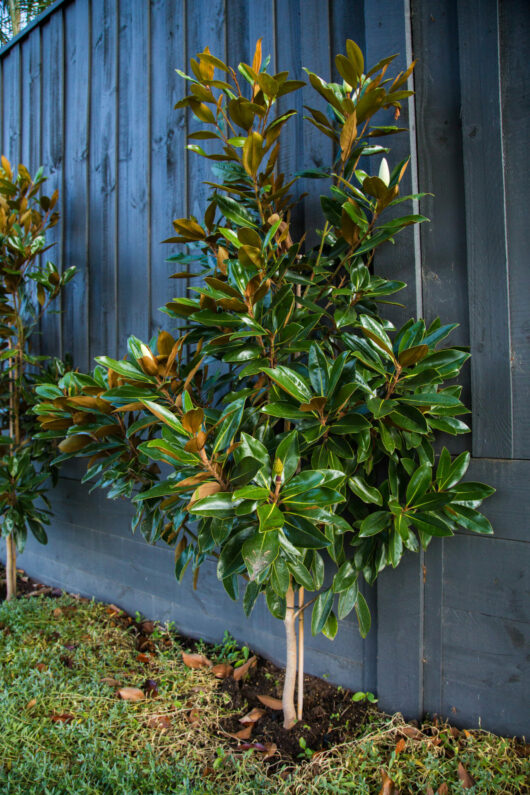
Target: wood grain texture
x=75, y=198
x=11, y=105
x=289, y=27
x=441, y=173
x=52, y=159
x=133, y=171
x=31, y=101
x=514, y=32
x=203, y=30
x=388, y=31
x=168, y=154
x=487, y=253
x=317, y=148
x=103, y=175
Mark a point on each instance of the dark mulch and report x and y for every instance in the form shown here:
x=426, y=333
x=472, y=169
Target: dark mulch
x=26, y=586
x=330, y=715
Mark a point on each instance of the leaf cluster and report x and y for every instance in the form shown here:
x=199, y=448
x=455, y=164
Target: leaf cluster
x=28, y=286
x=299, y=434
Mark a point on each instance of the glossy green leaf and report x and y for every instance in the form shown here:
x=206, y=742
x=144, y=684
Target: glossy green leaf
x=470, y=519
x=301, y=574
x=350, y=423
x=290, y=381
x=321, y=611
x=456, y=471
x=345, y=577
x=419, y=483
x=374, y=523
x=217, y=505
x=347, y=601
x=431, y=525
x=363, y=615
x=366, y=493
x=270, y=517
x=260, y=552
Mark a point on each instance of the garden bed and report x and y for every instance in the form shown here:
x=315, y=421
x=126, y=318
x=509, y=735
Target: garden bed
x=94, y=700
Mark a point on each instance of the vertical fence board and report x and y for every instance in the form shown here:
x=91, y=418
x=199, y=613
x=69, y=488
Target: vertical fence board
x=75, y=199
x=168, y=153
x=133, y=302
x=52, y=151
x=288, y=48
x=441, y=173
x=317, y=148
x=203, y=30
x=387, y=31
x=31, y=108
x=486, y=229
x=11, y=107
x=515, y=108
x=102, y=246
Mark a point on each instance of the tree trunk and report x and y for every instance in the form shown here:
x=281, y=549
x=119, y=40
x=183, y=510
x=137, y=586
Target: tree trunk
x=11, y=568
x=14, y=432
x=289, y=712
x=14, y=13
x=300, y=708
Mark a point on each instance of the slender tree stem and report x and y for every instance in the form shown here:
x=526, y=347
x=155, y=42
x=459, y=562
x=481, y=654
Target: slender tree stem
x=14, y=432
x=289, y=712
x=11, y=568
x=300, y=654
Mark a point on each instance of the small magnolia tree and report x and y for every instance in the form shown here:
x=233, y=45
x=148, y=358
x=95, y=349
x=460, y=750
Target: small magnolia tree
x=299, y=432
x=26, y=290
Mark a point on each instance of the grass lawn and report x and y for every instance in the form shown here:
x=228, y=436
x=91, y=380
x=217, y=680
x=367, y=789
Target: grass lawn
x=65, y=729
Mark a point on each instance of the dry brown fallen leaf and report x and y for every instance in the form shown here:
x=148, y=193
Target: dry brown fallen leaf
x=467, y=780
x=108, y=680
x=41, y=667
x=443, y=789
x=388, y=788
x=57, y=613
x=412, y=732
x=147, y=627
x=143, y=658
x=112, y=610
x=131, y=694
x=429, y=790
x=242, y=734
x=272, y=703
x=31, y=703
x=159, y=722
x=400, y=745
x=64, y=717
x=240, y=672
x=196, y=660
x=253, y=716
x=222, y=670
x=193, y=716
x=270, y=750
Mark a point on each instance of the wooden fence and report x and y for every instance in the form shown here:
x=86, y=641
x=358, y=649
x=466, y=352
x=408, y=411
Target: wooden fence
x=88, y=92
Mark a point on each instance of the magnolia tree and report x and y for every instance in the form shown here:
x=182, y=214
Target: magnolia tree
x=299, y=429
x=28, y=285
